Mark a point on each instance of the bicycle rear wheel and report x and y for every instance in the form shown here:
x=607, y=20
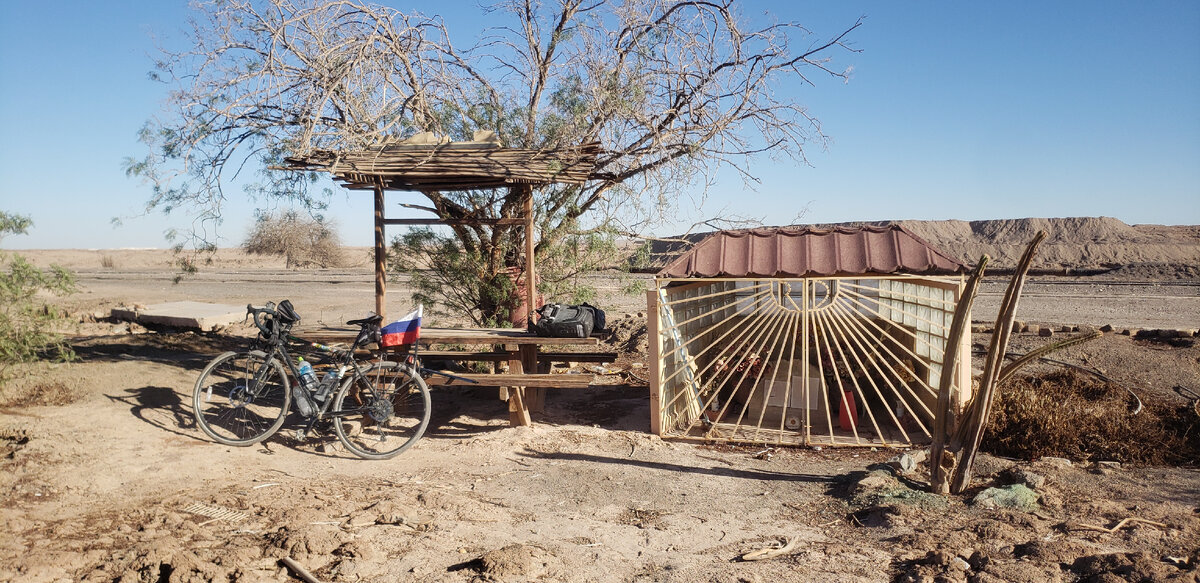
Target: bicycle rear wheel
x=241, y=398
x=383, y=412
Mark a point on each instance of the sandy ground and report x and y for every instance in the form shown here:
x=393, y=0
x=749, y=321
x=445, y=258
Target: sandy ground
x=99, y=471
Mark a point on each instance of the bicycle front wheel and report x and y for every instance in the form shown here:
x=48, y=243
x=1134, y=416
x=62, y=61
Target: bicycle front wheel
x=383, y=412
x=241, y=398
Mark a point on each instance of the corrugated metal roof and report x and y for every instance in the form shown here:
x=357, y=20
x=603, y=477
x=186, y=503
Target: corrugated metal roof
x=812, y=252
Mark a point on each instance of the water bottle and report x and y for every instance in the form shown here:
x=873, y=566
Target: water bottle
x=307, y=378
x=306, y=381
x=327, y=384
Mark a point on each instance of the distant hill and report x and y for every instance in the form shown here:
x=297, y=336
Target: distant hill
x=1074, y=245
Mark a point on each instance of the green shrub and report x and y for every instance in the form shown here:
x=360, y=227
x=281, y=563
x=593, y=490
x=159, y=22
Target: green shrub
x=27, y=326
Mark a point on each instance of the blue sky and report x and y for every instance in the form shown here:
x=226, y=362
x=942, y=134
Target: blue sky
x=955, y=110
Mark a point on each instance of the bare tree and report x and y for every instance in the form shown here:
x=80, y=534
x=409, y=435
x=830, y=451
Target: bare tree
x=673, y=90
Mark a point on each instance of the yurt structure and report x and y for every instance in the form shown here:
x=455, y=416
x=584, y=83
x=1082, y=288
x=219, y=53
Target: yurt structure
x=804, y=336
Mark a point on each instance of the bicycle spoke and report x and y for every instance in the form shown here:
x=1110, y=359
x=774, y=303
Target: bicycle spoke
x=240, y=398
x=382, y=412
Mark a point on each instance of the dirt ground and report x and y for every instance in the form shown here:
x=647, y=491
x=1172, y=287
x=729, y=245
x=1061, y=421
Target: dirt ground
x=103, y=469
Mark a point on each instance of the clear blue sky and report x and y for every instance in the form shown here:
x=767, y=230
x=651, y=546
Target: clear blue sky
x=958, y=110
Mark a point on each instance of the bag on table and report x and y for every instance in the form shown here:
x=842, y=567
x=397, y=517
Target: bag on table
x=565, y=321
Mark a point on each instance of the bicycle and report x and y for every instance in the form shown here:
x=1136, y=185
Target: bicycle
x=378, y=410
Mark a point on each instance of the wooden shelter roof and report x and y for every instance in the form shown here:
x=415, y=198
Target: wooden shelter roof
x=424, y=164
x=811, y=252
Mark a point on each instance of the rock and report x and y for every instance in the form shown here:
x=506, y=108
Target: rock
x=1016, y=475
x=1126, y=332
x=904, y=463
x=1146, y=334
x=1045, y=332
x=877, y=481
x=1107, y=328
x=959, y=564
x=979, y=328
x=1068, y=329
x=1014, y=496
x=1019, y=326
x=1056, y=462
x=1109, y=465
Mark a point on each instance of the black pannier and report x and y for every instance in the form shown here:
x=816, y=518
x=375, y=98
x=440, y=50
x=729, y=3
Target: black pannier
x=565, y=321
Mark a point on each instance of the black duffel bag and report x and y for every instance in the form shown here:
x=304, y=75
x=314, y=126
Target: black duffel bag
x=565, y=321
x=598, y=320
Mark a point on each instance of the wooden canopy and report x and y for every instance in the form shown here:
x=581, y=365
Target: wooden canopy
x=427, y=163
x=423, y=163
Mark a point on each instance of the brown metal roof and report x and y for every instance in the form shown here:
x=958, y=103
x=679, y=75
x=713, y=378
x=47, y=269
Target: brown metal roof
x=811, y=252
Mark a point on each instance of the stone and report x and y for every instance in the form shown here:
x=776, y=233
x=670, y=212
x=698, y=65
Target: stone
x=1056, y=462
x=904, y=463
x=1019, y=326
x=1045, y=332
x=1017, y=475
x=1107, y=328
x=1013, y=496
x=959, y=564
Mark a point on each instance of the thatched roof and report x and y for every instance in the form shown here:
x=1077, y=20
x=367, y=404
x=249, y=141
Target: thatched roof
x=425, y=164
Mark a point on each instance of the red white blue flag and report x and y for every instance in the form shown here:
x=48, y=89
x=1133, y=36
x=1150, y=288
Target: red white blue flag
x=406, y=330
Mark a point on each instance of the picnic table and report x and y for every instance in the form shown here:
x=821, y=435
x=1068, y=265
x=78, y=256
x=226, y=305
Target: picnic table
x=523, y=386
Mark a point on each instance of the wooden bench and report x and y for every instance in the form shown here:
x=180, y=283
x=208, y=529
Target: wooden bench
x=505, y=356
x=529, y=381
x=524, y=391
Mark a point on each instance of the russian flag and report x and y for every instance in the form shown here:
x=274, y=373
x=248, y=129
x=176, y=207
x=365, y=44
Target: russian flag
x=406, y=330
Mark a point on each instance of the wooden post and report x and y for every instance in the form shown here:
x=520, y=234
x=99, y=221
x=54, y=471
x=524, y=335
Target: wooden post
x=380, y=251
x=530, y=268
x=535, y=397
x=655, y=360
x=518, y=407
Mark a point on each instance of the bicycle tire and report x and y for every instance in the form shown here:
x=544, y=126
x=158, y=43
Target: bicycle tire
x=383, y=412
x=221, y=406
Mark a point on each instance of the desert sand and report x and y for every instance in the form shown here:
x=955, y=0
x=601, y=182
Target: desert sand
x=103, y=462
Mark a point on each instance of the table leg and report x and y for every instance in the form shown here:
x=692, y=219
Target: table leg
x=535, y=398
x=518, y=406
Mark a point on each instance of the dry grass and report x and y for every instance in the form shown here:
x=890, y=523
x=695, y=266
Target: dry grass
x=1067, y=414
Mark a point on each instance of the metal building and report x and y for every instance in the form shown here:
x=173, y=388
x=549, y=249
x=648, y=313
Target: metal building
x=803, y=336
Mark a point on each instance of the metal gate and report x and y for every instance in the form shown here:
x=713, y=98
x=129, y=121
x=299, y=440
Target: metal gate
x=811, y=361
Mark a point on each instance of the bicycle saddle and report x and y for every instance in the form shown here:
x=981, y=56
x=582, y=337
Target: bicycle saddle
x=372, y=319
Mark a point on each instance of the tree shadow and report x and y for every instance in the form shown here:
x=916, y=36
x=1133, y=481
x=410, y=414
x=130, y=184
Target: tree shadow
x=145, y=401
x=189, y=350
x=727, y=472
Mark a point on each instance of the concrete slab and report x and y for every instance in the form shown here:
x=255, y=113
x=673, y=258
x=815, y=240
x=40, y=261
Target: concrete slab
x=196, y=315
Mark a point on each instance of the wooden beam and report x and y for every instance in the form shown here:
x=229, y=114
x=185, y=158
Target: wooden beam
x=654, y=360
x=530, y=268
x=498, y=222
x=541, y=381
x=380, y=252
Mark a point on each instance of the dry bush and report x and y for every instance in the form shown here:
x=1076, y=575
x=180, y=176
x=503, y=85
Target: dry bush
x=1071, y=415
x=302, y=240
x=108, y=262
